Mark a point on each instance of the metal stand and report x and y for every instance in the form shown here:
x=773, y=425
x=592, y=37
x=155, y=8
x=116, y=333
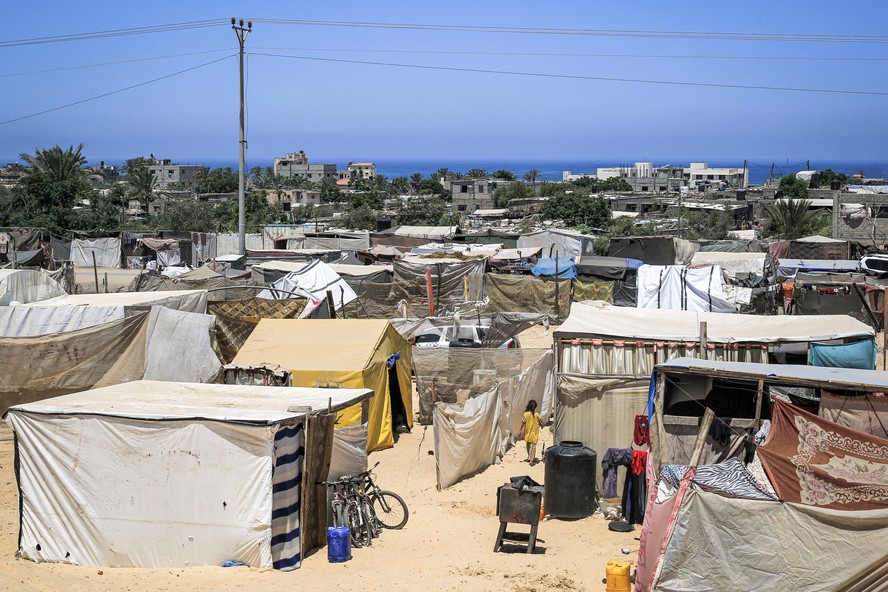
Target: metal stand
x=517, y=507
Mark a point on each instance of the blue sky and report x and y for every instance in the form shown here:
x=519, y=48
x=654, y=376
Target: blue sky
x=353, y=111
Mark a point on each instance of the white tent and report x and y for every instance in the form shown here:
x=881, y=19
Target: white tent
x=313, y=282
x=564, y=242
x=27, y=285
x=677, y=287
x=185, y=300
x=103, y=252
x=160, y=474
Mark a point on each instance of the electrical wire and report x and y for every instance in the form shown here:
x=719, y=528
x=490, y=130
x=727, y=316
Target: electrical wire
x=719, y=35
x=581, y=55
x=114, y=92
x=581, y=77
x=116, y=33
x=163, y=57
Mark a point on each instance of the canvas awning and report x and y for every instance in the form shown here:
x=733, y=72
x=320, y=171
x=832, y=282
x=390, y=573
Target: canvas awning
x=595, y=318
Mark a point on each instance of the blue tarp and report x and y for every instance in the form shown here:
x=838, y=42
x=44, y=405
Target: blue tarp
x=546, y=266
x=860, y=354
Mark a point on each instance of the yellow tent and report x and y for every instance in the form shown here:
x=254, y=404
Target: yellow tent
x=341, y=353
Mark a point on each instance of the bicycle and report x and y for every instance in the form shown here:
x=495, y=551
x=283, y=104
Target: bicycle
x=389, y=510
x=347, y=511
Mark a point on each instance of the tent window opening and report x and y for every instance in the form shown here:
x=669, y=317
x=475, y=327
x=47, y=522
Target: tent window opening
x=689, y=396
x=396, y=402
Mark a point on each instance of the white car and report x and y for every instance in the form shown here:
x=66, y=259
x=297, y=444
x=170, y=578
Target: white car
x=466, y=336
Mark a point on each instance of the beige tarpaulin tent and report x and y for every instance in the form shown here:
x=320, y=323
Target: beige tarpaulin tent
x=165, y=474
x=341, y=353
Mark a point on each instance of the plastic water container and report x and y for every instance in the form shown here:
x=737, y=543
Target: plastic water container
x=338, y=544
x=618, y=576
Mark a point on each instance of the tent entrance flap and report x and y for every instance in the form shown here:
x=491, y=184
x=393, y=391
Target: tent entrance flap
x=396, y=401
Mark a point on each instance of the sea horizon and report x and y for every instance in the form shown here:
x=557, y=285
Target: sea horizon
x=550, y=170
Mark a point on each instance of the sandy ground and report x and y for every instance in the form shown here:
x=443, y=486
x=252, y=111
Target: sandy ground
x=446, y=544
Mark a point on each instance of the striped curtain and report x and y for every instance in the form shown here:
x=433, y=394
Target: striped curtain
x=286, y=480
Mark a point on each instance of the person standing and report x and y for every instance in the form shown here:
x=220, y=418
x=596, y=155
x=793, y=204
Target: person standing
x=530, y=429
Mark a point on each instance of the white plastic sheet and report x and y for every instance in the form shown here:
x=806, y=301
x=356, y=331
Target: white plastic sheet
x=682, y=288
x=313, y=282
x=31, y=321
x=27, y=285
x=349, y=454
x=106, y=251
x=179, y=347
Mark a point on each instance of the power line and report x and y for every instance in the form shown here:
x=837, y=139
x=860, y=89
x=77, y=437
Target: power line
x=580, y=55
x=114, y=92
x=82, y=66
x=708, y=35
x=115, y=33
x=580, y=77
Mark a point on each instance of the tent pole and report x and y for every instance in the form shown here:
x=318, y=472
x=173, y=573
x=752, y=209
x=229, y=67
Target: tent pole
x=885, y=329
x=758, y=404
x=96, y=272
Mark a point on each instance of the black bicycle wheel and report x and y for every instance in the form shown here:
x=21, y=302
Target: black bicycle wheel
x=359, y=526
x=391, y=510
x=372, y=519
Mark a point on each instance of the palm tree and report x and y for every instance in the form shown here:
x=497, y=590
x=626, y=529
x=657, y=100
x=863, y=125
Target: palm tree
x=477, y=174
x=60, y=165
x=504, y=175
x=531, y=176
x=441, y=174
x=143, y=186
x=790, y=218
x=456, y=176
x=400, y=185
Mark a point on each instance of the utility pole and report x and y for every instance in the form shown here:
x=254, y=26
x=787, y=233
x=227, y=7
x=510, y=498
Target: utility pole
x=241, y=33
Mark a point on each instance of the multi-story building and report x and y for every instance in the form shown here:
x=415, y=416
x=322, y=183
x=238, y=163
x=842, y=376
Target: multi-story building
x=362, y=170
x=168, y=175
x=296, y=165
x=644, y=177
x=474, y=194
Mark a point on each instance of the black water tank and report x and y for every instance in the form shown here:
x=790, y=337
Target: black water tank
x=383, y=224
x=570, y=480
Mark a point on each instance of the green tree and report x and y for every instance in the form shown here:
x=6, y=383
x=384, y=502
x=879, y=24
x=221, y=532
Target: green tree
x=258, y=213
x=415, y=180
x=476, y=174
x=514, y=190
x=442, y=173
x=372, y=199
x=793, y=187
x=361, y=217
x=330, y=191
x=504, y=175
x=188, y=215
x=575, y=209
x=611, y=184
x=432, y=187
x=791, y=219
x=142, y=186
x=711, y=224
x=400, y=185
x=531, y=177
x=55, y=182
x=221, y=180
x=421, y=211
x=827, y=176
x=135, y=164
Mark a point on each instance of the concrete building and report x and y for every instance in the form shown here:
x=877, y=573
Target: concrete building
x=362, y=170
x=296, y=165
x=168, y=175
x=644, y=177
x=473, y=194
x=700, y=173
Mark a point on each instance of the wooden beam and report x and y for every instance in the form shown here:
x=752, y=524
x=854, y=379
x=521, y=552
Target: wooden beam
x=701, y=437
x=758, y=403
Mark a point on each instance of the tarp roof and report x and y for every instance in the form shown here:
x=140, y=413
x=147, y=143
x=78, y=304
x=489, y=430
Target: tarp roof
x=516, y=254
x=820, y=264
x=340, y=268
x=313, y=344
x=732, y=262
x=429, y=232
x=837, y=378
x=819, y=239
x=149, y=399
x=596, y=318
x=118, y=298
